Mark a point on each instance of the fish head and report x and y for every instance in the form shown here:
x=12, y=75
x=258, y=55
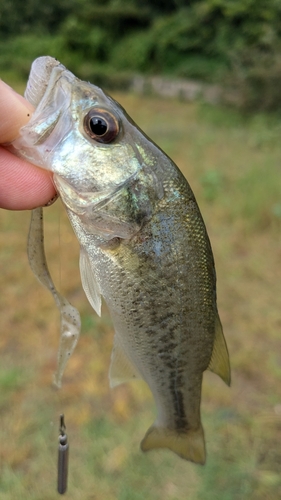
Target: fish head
x=84, y=137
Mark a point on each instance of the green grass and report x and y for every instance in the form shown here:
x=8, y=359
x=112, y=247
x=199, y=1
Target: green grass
x=233, y=164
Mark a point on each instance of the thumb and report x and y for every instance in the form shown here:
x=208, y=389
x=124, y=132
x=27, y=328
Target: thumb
x=15, y=113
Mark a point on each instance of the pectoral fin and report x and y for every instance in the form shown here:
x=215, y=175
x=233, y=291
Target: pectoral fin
x=121, y=368
x=219, y=363
x=89, y=282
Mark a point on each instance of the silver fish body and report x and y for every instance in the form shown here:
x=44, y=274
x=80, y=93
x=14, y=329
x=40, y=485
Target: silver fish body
x=144, y=247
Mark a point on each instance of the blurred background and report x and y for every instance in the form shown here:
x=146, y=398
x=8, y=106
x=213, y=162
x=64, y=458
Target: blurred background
x=228, y=147
x=226, y=42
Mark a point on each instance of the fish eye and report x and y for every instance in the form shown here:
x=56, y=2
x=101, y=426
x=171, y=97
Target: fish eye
x=101, y=125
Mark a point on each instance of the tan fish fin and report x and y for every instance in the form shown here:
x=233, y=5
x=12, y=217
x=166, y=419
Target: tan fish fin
x=219, y=363
x=89, y=282
x=121, y=368
x=189, y=445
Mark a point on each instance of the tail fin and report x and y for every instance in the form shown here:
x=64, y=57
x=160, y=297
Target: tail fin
x=189, y=445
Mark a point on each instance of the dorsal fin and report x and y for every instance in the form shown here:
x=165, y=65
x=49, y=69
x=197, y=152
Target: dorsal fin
x=219, y=363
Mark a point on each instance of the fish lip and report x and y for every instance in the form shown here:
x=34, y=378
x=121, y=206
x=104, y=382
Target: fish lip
x=39, y=92
x=39, y=78
x=34, y=133
x=46, y=72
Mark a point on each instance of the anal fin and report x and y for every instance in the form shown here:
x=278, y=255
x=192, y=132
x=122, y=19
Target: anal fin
x=121, y=368
x=219, y=363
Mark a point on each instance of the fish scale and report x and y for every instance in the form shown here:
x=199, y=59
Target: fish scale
x=142, y=344
x=144, y=248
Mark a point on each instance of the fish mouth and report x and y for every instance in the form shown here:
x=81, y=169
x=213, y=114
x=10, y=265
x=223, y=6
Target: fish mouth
x=49, y=91
x=39, y=78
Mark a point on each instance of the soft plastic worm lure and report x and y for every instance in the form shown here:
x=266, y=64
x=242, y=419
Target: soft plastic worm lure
x=70, y=317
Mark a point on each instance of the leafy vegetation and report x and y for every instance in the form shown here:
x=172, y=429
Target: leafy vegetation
x=233, y=165
x=236, y=43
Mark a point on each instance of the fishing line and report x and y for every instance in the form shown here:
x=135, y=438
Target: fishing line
x=58, y=208
x=63, y=446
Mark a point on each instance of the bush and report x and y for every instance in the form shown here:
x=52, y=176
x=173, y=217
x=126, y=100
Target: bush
x=18, y=53
x=255, y=79
x=92, y=42
x=134, y=52
x=234, y=41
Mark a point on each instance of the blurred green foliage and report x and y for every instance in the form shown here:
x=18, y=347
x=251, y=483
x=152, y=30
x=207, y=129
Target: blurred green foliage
x=235, y=42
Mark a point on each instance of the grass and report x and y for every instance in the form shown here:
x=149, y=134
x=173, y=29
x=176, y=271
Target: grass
x=233, y=165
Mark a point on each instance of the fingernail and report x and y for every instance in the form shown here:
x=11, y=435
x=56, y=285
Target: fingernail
x=52, y=200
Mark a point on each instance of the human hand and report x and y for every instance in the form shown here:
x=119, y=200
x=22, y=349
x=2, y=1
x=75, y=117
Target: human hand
x=23, y=185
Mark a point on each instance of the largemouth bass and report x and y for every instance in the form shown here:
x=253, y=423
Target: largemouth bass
x=144, y=247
